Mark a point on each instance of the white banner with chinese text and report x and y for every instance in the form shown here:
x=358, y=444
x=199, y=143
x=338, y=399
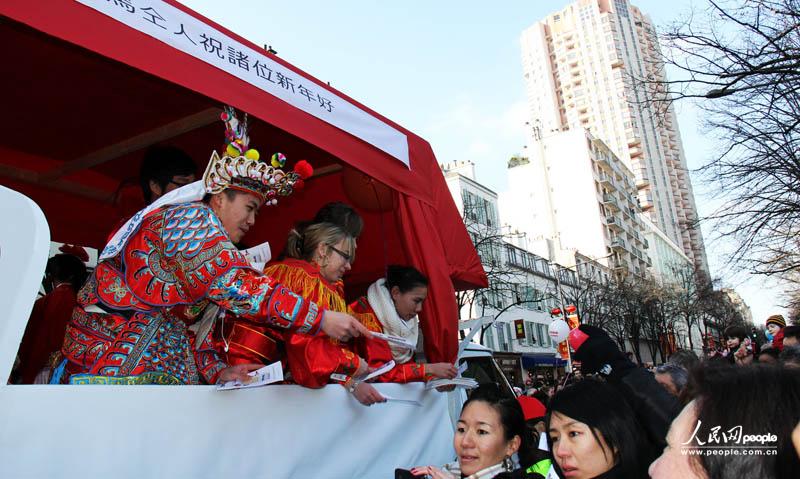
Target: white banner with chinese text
x=191, y=36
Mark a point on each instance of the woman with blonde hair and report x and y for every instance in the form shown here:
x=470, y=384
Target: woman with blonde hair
x=317, y=257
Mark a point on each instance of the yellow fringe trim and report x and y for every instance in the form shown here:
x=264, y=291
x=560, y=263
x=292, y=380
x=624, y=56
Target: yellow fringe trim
x=310, y=287
x=313, y=288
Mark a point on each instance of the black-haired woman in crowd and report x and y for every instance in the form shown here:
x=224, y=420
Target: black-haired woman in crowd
x=612, y=425
x=739, y=424
x=593, y=433
x=489, y=432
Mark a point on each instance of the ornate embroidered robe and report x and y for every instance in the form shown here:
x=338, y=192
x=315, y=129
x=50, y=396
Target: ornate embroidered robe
x=131, y=322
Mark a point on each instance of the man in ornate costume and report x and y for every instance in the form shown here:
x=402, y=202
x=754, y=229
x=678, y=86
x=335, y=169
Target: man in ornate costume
x=173, y=265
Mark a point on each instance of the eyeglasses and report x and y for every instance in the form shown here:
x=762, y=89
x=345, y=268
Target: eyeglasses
x=345, y=256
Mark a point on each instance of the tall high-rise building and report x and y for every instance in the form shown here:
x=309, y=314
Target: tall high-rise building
x=580, y=66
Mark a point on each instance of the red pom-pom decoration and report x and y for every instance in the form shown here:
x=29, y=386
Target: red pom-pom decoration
x=299, y=185
x=304, y=169
x=76, y=251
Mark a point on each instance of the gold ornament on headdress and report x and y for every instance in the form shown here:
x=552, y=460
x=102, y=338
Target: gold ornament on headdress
x=241, y=169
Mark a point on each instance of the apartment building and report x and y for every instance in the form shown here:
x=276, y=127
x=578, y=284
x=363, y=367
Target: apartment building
x=570, y=195
x=582, y=67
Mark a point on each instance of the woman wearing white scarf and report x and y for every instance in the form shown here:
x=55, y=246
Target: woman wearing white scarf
x=391, y=306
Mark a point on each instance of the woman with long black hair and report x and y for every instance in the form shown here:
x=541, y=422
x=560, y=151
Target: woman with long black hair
x=489, y=432
x=593, y=433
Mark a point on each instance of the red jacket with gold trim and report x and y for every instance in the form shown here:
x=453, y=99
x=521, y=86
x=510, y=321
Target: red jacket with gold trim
x=313, y=361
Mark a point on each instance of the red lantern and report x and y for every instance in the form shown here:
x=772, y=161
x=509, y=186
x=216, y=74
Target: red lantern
x=367, y=193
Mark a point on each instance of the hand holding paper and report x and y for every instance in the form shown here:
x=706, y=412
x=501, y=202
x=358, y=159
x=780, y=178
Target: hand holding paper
x=261, y=377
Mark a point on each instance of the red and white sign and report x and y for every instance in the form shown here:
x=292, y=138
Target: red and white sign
x=193, y=37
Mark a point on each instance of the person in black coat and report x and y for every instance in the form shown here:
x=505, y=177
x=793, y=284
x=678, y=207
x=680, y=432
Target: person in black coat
x=613, y=423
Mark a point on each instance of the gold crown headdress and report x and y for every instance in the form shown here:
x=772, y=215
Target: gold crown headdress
x=241, y=169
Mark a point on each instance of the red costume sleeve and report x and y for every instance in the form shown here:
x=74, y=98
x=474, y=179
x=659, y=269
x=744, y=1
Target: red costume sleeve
x=314, y=362
x=261, y=299
x=376, y=351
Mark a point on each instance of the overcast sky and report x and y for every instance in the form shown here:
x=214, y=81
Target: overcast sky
x=450, y=71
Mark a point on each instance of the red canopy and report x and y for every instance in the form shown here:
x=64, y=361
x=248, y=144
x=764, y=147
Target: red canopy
x=86, y=94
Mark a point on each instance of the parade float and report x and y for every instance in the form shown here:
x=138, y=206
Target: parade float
x=88, y=85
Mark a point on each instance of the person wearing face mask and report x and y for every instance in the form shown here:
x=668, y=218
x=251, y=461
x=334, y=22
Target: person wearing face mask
x=173, y=265
x=725, y=400
x=391, y=306
x=593, y=433
x=489, y=432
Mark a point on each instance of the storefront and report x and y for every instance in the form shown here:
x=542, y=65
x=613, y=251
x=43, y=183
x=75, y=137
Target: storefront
x=544, y=366
x=511, y=365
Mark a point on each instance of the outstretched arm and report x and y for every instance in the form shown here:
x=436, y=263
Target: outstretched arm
x=259, y=298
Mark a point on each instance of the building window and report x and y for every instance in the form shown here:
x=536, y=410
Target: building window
x=502, y=341
x=530, y=334
x=544, y=337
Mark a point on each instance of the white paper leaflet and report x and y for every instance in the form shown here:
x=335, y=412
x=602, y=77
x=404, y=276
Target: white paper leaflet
x=258, y=256
x=402, y=401
x=260, y=377
x=466, y=383
x=383, y=369
x=396, y=340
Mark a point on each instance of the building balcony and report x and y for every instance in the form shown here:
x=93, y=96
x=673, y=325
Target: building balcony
x=646, y=202
x=642, y=181
x=610, y=203
x=618, y=244
x=648, y=260
x=646, y=243
x=619, y=264
x=614, y=222
x=603, y=161
x=605, y=179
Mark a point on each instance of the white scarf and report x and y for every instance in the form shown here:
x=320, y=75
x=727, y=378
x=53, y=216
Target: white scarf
x=185, y=194
x=381, y=302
